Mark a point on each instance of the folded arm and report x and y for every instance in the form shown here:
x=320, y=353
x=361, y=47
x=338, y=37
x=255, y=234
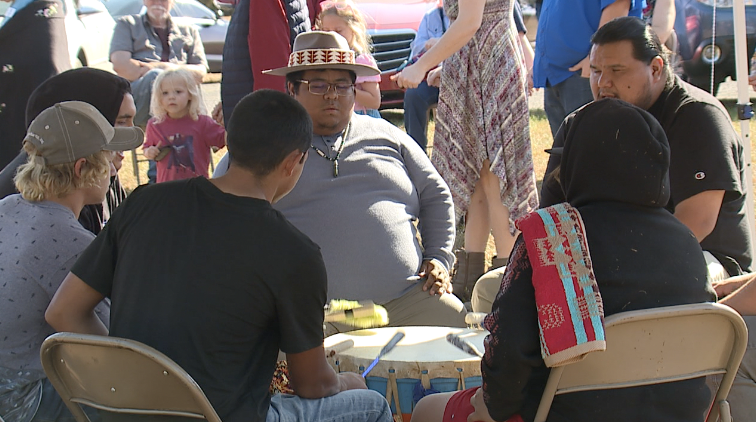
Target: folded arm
x=128, y=68
x=743, y=299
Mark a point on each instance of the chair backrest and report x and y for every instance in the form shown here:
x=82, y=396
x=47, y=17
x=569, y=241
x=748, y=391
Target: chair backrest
x=121, y=376
x=653, y=346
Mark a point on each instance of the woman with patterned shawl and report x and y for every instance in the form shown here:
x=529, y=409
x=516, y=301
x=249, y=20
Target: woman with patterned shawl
x=481, y=145
x=619, y=249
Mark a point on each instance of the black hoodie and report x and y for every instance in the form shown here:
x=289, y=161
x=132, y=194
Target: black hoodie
x=614, y=171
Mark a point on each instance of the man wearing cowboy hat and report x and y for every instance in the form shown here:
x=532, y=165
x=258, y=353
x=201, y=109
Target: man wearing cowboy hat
x=366, y=192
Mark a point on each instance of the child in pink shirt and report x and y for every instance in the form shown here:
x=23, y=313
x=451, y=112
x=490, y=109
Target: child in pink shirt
x=179, y=136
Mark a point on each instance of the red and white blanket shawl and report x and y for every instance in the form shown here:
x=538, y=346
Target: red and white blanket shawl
x=570, y=311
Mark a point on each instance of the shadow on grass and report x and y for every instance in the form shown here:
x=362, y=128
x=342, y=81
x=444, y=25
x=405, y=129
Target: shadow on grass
x=395, y=116
x=537, y=114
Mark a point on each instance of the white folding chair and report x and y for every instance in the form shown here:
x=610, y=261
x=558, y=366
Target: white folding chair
x=659, y=345
x=120, y=376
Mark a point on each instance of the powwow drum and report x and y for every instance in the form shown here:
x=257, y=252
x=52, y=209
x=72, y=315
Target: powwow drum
x=422, y=357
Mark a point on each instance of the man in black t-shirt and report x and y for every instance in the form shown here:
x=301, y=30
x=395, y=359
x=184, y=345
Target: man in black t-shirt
x=222, y=310
x=707, y=169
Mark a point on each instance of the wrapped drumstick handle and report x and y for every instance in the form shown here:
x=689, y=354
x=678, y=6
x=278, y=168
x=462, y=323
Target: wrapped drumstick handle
x=339, y=347
x=463, y=345
x=475, y=320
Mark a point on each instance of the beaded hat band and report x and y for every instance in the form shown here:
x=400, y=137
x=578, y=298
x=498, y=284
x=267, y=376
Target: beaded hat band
x=322, y=50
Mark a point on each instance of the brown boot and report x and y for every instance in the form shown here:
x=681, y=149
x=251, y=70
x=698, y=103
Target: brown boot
x=469, y=267
x=497, y=262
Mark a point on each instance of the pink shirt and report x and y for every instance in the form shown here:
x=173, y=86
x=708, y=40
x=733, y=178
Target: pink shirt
x=189, y=142
x=367, y=59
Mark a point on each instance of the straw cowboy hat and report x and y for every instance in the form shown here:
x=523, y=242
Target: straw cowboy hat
x=322, y=50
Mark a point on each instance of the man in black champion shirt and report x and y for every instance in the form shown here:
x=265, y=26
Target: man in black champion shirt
x=707, y=169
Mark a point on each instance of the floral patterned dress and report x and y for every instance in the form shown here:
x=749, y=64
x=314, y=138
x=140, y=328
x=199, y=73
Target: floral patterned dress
x=483, y=114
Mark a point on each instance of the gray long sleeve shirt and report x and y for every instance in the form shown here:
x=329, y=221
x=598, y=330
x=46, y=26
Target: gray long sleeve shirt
x=364, y=219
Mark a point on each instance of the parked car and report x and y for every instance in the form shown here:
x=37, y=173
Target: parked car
x=212, y=29
x=89, y=29
x=696, y=51
x=392, y=26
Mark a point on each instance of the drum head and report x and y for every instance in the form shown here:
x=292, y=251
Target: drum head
x=422, y=349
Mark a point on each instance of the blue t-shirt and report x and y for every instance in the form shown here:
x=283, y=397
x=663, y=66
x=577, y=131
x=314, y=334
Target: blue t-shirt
x=564, y=36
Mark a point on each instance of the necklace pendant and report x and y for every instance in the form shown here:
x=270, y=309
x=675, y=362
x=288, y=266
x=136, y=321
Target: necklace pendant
x=335, y=168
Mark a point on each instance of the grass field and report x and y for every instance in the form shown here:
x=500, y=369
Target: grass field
x=540, y=136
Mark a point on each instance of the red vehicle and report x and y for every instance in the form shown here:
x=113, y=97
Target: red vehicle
x=392, y=25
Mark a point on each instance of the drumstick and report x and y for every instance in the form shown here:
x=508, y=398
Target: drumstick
x=387, y=348
x=339, y=347
x=463, y=345
x=475, y=319
x=356, y=314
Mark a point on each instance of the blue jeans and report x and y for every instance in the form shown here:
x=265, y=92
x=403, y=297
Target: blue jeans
x=351, y=405
x=565, y=97
x=417, y=102
x=141, y=89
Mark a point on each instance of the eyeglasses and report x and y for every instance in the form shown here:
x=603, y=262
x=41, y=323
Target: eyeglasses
x=342, y=89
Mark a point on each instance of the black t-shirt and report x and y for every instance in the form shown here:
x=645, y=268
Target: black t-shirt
x=707, y=154
x=217, y=282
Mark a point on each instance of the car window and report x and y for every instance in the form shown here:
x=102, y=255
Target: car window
x=123, y=7
x=192, y=10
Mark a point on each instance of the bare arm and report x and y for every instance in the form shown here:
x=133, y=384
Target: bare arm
x=743, y=300
x=700, y=212
x=664, y=19
x=72, y=308
x=312, y=377
x=368, y=95
x=199, y=71
x=527, y=52
x=615, y=10
x=729, y=285
x=126, y=67
x=459, y=33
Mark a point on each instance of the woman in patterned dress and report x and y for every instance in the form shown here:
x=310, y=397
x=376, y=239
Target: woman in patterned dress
x=482, y=140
